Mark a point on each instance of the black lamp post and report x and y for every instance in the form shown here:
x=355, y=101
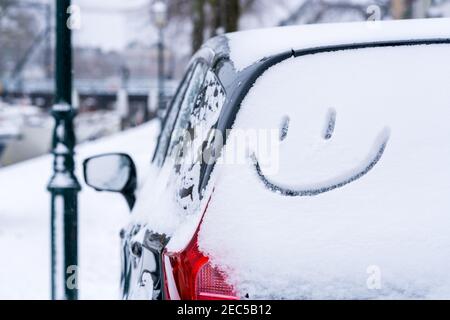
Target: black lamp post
x=159, y=12
x=63, y=185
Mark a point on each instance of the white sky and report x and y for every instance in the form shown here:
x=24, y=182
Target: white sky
x=110, y=24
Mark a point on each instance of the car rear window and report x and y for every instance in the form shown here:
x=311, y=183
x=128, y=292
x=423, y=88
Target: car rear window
x=359, y=181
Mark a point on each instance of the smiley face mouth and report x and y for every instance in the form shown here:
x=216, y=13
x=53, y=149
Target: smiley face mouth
x=336, y=182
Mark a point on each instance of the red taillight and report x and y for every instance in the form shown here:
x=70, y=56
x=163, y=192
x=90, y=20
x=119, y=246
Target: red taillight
x=211, y=285
x=194, y=276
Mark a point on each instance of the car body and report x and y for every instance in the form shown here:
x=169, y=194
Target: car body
x=215, y=230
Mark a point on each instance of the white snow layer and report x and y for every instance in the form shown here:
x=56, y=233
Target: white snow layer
x=250, y=46
x=384, y=235
x=25, y=222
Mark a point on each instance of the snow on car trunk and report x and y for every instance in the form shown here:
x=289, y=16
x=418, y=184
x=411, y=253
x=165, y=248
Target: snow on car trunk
x=358, y=205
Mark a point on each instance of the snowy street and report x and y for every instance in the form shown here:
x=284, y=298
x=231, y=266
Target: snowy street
x=25, y=222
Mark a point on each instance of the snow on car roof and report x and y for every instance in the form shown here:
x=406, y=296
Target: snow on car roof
x=248, y=47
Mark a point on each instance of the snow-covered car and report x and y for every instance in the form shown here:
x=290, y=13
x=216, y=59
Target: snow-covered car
x=326, y=176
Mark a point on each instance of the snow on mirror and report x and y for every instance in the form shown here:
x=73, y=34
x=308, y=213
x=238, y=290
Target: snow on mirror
x=108, y=172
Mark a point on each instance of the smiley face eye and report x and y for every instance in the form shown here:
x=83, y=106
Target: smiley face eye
x=330, y=124
x=284, y=128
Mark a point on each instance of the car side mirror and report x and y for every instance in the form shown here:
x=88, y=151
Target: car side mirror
x=114, y=172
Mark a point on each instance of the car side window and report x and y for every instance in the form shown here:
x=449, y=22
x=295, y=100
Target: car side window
x=193, y=75
x=187, y=106
x=169, y=120
x=198, y=137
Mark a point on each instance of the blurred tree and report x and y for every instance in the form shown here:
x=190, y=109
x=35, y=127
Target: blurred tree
x=318, y=11
x=315, y=11
x=19, y=27
x=407, y=9
x=217, y=17
x=198, y=22
x=210, y=17
x=401, y=9
x=232, y=14
x=4, y=5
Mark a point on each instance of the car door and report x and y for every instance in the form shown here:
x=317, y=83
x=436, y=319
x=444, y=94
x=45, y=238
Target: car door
x=141, y=247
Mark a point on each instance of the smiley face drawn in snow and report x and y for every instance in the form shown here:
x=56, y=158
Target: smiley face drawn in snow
x=338, y=181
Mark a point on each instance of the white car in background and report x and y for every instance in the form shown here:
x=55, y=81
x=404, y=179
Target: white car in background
x=351, y=202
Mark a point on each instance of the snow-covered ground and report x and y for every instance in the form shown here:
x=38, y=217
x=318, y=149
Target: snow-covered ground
x=25, y=222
